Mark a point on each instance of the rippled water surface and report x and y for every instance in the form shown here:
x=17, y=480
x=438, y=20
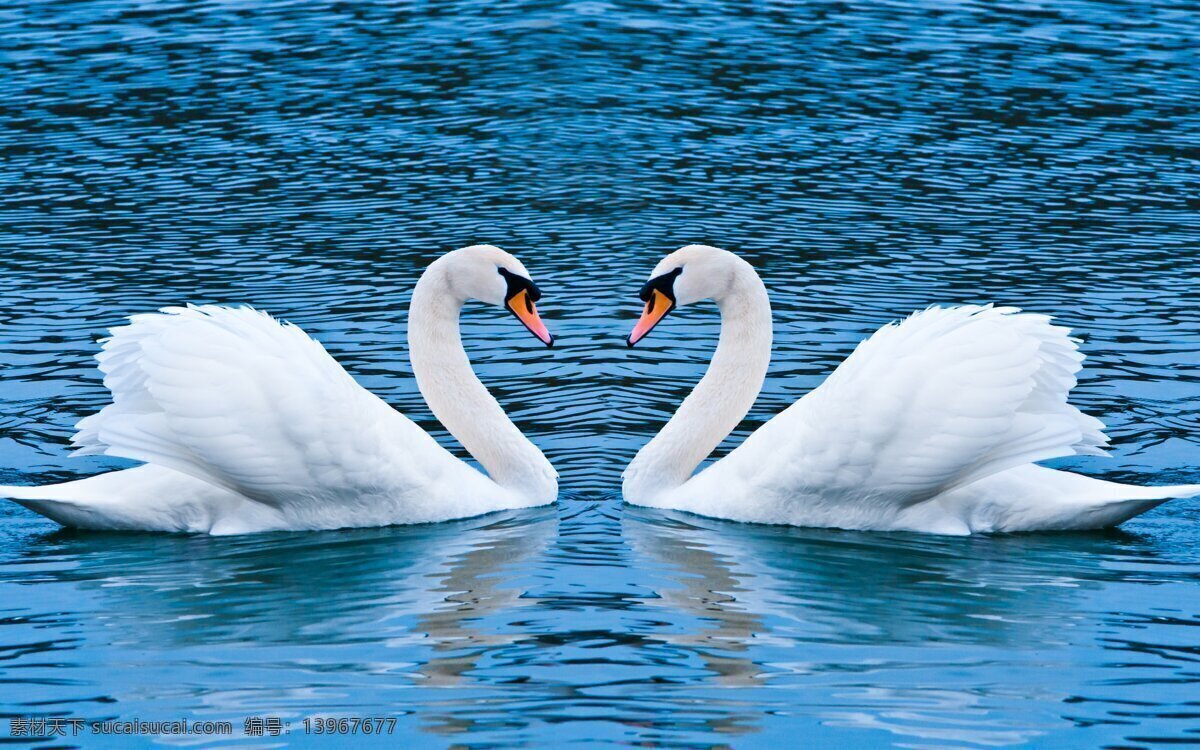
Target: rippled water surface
x=869, y=158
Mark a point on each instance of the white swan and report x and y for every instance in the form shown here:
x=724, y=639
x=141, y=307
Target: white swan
x=247, y=424
x=932, y=424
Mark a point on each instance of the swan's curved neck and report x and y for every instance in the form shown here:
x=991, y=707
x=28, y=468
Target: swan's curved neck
x=719, y=401
x=460, y=401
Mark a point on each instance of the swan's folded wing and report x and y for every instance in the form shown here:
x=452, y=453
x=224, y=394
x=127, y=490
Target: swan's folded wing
x=238, y=399
x=948, y=396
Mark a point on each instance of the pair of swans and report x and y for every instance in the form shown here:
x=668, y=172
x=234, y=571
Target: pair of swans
x=934, y=424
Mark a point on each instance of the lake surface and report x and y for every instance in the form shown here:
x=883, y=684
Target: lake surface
x=870, y=159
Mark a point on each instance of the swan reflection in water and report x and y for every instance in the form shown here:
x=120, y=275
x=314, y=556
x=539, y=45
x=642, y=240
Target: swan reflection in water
x=711, y=616
x=838, y=615
x=316, y=613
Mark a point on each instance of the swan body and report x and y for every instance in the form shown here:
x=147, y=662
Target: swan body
x=247, y=424
x=933, y=424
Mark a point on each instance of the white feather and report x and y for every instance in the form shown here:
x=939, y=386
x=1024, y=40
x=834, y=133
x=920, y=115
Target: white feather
x=235, y=398
x=946, y=397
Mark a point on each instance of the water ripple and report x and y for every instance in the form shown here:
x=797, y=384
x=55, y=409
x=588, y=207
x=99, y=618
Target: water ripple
x=869, y=158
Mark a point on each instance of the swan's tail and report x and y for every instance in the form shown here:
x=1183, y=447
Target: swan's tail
x=146, y=498
x=1037, y=498
x=13, y=492
x=124, y=499
x=1135, y=500
x=52, y=501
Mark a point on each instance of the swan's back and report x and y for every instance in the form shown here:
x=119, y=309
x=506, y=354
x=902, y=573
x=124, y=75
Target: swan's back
x=937, y=401
x=236, y=398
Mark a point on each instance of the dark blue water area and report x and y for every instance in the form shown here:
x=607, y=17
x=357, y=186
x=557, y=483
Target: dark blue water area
x=870, y=159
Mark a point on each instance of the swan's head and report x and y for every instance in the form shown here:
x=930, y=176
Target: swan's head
x=688, y=275
x=492, y=276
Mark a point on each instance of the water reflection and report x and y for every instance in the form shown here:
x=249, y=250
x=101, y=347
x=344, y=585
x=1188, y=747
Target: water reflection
x=859, y=588
x=674, y=626
x=872, y=623
x=361, y=595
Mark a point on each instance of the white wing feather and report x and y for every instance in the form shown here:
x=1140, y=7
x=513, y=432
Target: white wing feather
x=238, y=399
x=944, y=398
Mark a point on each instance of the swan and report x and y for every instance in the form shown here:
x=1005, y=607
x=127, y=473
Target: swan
x=246, y=424
x=933, y=424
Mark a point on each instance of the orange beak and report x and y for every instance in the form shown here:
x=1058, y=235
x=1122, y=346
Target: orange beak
x=523, y=308
x=656, y=309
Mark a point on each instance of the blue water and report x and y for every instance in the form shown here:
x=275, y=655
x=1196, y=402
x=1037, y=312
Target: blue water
x=869, y=158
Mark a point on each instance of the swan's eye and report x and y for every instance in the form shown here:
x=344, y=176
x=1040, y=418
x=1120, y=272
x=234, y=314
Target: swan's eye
x=518, y=284
x=664, y=282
